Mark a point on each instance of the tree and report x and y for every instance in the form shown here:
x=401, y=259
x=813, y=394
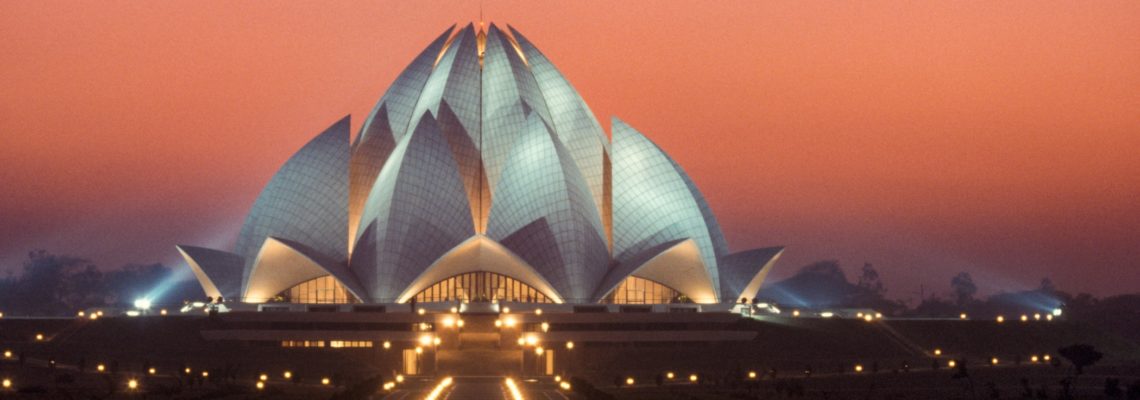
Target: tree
x=1081, y=355
x=964, y=288
x=869, y=281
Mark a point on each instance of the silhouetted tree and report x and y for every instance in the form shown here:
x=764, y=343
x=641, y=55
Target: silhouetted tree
x=964, y=288
x=1081, y=355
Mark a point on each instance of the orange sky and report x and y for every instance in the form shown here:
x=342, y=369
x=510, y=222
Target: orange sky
x=999, y=138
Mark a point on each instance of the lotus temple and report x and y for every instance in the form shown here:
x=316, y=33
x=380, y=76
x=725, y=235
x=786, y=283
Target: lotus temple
x=481, y=175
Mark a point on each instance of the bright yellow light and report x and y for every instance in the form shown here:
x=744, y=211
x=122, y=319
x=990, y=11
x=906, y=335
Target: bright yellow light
x=188, y=371
x=751, y=374
x=1037, y=317
x=994, y=361
x=263, y=377
x=459, y=323
x=421, y=311
x=514, y=389
x=558, y=378
x=522, y=341
x=868, y=318
x=531, y=340
x=538, y=311
x=438, y=389
x=94, y=317
x=162, y=312
x=1049, y=317
x=82, y=314
x=260, y=385
x=859, y=315
x=629, y=381
x=387, y=345
x=879, y=315
x=693, y=378
x=100, y=367
x=951, y=363
x=569, y=345
x=509, y=322
x=962, y=316
x=448, y=322
x=133, y=384
x=99, y=313
x=205, y=374
x=325, y=381
x=1045, y=357
x=545, y=327
x=389, y=385
x=564, y=385
x=1000, y=319
x=400, y=378
x=419, y=350
x=436, y=341
x=506, y=310
x=498, y=323
x=539, y=350
x=827, y=314
x=7, y=353
x=858, y=367
x=795, y=313
x=39, y=337
x=1033, y=359
x=937, y=352
x=7, y=383
x=454, y=310
x=669, y=375
x=1024, y=318
x=425, y=340
x=423, y=326
x=151, y=371
x=288, y=375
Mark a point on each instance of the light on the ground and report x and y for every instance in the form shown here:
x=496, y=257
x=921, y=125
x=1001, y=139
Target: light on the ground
x=151, y=371
x=693, y=378
x=994, y=361
x=387, y=345
x=142, y=303
x=564, y=385
x=513, y=388
x=326, y=381
x=438, y=389
x=39, y=337
x=287, y=375
x=858, y=367
x=425, y=340
x=669, y=375
x=1000, y=319
x=545, y=327
x=937, y=352
x=260, y=385
x=951, y=363
x=421, y=311
x=100, y=368
x=751, y=374
x=133, y=384
x=569, y=345
x=962, y=316
x=399, y=378
x=1033, y=359
x=7, y=383
x=629, y=381
x=263, y=377
x=539, y=350
x=538, y=311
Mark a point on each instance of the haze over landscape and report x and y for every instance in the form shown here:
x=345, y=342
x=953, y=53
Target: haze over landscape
x=924, y=138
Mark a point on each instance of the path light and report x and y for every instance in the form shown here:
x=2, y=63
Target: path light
x=858, y=367
x=205, y=374
x=1033, y=359
x=400, y=378
x=459, y=323
x=498, y=323
x=531, y=340
x=558, y=378
x=1000, y=319
x=7, y=383
x=951, y=363
x=962, y=316
x=436, y=341
x=569, y=345
x=387, y=345
x=994, y=361
x=868, y=318
x=629, y=381
x=454, y=310
x=539, y=350
x=133, y=384
x=419, y=350
x=693, y=378
x=325, y=381
x=7, y=353
x=1037, y=316
x=388, y=386
x=421, y=311
x=564, y=385
x=545, y=327
x=425, y=340
x=751, y=374
x=538, y=311
x=879, y=315
x=521, y=341
x=100, y=368
x=188, y=370
x=263, y=377
x=510, y=322
x=669, y=375
x=937, y=352
x=1049, y=317
x=260, y=385
x=287, y=375
x=1045, y=357
x=39, y=337
x=1024, y=318
x=506, y=309
x=151, y=371
x=448, y=321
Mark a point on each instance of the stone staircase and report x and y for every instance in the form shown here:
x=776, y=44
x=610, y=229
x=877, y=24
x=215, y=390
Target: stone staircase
x=478, y=352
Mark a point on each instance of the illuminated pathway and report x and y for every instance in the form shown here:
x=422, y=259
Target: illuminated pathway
x=480, y=388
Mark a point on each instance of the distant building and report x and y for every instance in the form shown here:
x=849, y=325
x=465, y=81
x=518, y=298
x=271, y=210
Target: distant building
x=481, y=175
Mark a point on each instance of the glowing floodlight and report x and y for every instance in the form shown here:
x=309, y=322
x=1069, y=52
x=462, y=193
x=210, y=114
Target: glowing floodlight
x=151, y=371
x=421, y=311
x=425, y=340
x=545, y=327
x=1000, y=319
x=539, y=350
x=439, y=389
x=260, y=385
x=325, y=381
x=538, y=311
x=133, y=384
x=629, y=381
x=693, y=378
x=7, y=383
x=827, y=314
x=962, y=316
x=858, y=367
x=1057, y=312
x=669, y=375
x=100, y=368
x=531, y=340
x=142, y=303
x=952, y=363
x=994, y=361
x=387, y=345
x=937, y=352
x=564, y=385
x=263, y=377
x=569, y=345
x=399, y=378
x=751, y=374
x=288, y=375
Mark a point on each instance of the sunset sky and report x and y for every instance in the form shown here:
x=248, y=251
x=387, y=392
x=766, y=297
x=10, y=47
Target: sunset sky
x=925, y=137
